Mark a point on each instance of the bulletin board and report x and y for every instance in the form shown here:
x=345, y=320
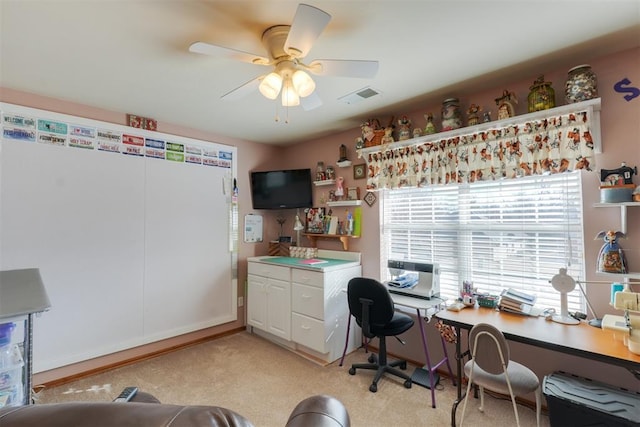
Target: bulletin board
x=253, y=228
x=125, y=226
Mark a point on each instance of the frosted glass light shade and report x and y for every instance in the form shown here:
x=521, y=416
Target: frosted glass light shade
x=270, y=86
x=289, y=96
x=303, y=83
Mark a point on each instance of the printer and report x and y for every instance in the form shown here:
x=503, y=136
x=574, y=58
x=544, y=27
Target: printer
x=414, y=279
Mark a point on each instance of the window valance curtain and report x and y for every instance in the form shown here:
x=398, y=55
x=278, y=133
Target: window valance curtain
x=555, y=144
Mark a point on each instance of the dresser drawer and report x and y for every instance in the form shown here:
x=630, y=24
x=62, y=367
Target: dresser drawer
x=306, y=277
x=272, y=271
x=308, y=332
x=307, y=300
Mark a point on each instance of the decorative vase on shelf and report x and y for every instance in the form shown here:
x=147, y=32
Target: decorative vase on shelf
x=582, y=84
x=541, y=95
x=451, y=115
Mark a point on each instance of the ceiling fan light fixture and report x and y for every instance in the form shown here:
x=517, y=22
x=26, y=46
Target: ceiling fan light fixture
x=303, y=83
x=270, y=86
x=290, y=97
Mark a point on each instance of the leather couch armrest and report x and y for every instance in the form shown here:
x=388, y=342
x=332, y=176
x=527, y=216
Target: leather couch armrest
x=319, y=411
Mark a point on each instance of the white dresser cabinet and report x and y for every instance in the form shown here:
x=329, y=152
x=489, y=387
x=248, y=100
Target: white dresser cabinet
x=317, y=311
x=269, y=299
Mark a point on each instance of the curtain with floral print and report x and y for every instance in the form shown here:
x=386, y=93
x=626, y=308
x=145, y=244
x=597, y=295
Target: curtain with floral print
x=552, y=145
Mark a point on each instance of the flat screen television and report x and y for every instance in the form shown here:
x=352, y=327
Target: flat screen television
x=282, y=189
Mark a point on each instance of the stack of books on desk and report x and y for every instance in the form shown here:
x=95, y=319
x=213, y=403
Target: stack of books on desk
x=517, y=302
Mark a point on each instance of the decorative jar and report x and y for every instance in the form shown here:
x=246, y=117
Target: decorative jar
x=582, y=84
x=541, y=95
x=451, y=114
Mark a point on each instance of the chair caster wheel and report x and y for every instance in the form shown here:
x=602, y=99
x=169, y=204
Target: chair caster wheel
x=407, y=384
x=372, y=358
x=373, y=388
x=352, y=371
x=403, y=366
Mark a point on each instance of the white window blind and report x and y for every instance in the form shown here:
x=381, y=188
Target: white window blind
x=508, y=233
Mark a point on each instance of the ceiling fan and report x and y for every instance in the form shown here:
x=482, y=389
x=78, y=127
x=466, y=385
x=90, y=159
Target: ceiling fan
x=287, y=46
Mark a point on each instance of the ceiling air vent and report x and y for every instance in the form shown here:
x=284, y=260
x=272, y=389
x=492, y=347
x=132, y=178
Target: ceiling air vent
x=359, y=95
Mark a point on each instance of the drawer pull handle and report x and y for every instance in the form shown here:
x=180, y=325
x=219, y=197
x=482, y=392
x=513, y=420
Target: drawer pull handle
x=306, y=327
x=306, y=296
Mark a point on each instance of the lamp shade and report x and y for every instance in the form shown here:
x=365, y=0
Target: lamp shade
x=270, y=86
x=303, y=83
x=289, y=96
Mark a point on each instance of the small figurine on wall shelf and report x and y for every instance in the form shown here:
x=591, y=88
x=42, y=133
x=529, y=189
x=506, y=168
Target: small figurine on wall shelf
x=472, y=115
x=343, y=153
x=339, y=188
x=611, y=258
x=505, y=103
x=404, y=125
x=388, y=135
x=430, y=128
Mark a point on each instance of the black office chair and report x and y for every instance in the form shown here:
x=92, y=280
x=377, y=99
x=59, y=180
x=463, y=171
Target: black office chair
x=372, y=307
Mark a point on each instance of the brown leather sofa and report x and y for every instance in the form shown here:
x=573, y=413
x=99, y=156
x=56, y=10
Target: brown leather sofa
x=144, y=410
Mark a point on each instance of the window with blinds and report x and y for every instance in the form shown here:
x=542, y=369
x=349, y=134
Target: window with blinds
x=513, y=233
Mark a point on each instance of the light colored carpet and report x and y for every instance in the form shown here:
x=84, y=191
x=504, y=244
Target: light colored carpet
x=264, y=382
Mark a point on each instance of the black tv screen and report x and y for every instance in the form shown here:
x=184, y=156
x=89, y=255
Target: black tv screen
x=281, y=189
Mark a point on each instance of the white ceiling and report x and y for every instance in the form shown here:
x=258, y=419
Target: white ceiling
x=132, y=56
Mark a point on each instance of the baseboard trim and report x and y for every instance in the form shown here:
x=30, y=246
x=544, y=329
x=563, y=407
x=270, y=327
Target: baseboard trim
x=141, y=356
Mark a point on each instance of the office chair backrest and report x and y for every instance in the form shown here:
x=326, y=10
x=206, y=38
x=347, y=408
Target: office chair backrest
x=489, y=348
x=380, y=311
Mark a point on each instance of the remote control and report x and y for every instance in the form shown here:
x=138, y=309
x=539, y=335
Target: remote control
x=126, y=394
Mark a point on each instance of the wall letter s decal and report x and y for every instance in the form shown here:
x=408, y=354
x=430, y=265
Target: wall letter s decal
x=621, y=87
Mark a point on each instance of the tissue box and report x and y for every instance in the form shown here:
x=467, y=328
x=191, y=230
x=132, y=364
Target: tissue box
x=616, y=193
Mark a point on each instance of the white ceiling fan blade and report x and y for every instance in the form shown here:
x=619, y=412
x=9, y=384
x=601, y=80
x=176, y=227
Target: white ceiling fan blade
x=308, y=24
x=242, y=91
x=344, y=68
x=226, y=52
x=310, y=102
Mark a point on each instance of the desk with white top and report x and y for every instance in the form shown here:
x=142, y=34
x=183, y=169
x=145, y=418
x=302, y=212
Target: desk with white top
x=579, y=340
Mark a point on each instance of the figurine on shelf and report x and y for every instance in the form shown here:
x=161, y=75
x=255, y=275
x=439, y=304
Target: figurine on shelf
x=430, y=128
x=505, y=104
x=330, y=173
x=343, y=153
x=472, y=115
x=486, y=117
x=320, y=175
x=405, y=128
x=611, y=258
x=339, y=187
x=388, y=135
x=359, y=143
x=417, y=132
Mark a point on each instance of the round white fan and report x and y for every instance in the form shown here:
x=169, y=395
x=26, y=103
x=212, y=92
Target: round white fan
x=564, y=284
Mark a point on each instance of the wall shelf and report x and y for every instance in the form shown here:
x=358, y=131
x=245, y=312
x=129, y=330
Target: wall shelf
x=325, y=182
x=344, y=238
x=623, y=227
x=591, y=105
x=345, y=203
